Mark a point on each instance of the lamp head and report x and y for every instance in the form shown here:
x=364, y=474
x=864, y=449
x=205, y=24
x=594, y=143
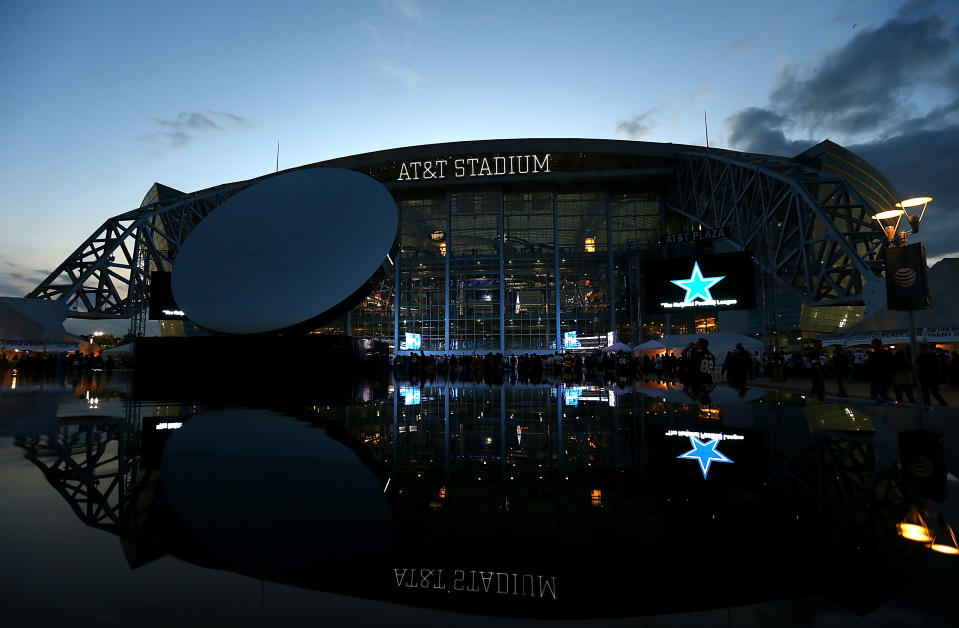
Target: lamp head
x=914, y=202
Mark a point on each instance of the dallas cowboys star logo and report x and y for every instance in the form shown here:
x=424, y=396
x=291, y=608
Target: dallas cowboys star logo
x=705, y=453
x=697, y=285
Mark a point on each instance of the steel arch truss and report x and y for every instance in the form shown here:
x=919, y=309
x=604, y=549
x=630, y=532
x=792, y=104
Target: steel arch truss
x=107, y=275
x=812, y=231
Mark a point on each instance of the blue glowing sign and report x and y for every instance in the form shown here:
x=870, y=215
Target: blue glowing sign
x=570, y=341
x=697, y=286
x=413, y=341
x=705, y=453
x=571, y=396
x=713, y=282
x=411, y=395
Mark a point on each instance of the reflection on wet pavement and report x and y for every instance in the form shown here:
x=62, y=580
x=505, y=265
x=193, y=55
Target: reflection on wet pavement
x=533, y=500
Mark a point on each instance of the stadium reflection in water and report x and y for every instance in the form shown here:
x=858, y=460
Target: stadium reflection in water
x=549, y=500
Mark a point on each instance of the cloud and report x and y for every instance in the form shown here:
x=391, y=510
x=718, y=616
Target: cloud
x=400, y=72
x=758, y=130
x=891, y=95
x=643, y=125
x=869, y=82
x=187, y=125
x=190, y=120
x=740, y=44
x=638, y=127
x=923, y=163
x=17, y=280
x=411, y=9
x=375, y=32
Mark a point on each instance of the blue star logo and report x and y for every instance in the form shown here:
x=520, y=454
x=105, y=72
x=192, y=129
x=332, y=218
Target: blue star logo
x=705, y=453
x=697, y=285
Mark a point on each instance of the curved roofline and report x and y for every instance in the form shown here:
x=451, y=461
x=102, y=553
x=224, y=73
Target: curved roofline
x=546, y=144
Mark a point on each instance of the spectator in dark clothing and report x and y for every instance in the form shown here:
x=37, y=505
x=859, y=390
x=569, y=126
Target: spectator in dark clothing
x=840, y=367
x=817, y=372
x=929, y=376
x=736, y=367
x=903, y=377
x=879, y=369
x=699, y=369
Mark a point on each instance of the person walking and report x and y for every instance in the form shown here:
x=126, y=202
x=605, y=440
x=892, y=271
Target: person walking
x=903, y=380
x=928, y=364
x=816, y=371
x=840, y=367
x=879, y=370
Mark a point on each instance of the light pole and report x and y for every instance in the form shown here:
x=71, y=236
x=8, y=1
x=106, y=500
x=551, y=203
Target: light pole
x=906, y=286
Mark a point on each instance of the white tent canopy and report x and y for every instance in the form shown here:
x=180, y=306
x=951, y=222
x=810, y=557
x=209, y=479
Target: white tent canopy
x=617, y=346
x=720, y=343
x=650, y=345
x=118, y=350
x=34, y=324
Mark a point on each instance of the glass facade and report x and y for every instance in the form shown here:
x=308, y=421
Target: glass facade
x=510, y=270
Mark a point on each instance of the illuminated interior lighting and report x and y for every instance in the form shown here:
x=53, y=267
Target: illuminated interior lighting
x=913, y=202
x=892, y=213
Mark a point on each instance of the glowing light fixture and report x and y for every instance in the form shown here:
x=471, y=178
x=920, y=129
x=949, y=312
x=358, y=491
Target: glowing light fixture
x=590, y=245
x=915, y=202
x=596, y=497
x=915, y=219
x=892, y=213
x=890, y=228
x=945, y=541
x=914, y=528
x=892, y=231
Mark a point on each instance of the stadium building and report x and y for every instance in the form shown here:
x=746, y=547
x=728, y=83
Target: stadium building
x=540, y=244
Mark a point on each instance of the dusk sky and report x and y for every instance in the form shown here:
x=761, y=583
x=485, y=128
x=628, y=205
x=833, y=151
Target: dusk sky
x=102, y=99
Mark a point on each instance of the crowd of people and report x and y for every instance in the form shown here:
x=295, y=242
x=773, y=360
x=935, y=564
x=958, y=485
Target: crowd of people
x=52, y=361
x=886, y=371
x=693, y=367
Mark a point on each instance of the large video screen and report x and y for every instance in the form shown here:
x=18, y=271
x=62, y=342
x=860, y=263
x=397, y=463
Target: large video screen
x=162, y=304
x=703, y=283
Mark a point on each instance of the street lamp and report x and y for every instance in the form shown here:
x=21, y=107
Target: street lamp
x=914, y=202
x=906, y=281
x=888, y=227
x=891, y=229
x=914, y=527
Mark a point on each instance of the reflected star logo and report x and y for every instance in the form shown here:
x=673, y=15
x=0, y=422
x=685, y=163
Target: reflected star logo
x=697, y=285
x=705, y=453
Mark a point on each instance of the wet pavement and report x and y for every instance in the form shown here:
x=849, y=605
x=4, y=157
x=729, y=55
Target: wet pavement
x=394, y=502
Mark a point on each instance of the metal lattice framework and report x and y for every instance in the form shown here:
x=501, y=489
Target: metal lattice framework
x=94, y=468
x=108, y=274
x=813, y=231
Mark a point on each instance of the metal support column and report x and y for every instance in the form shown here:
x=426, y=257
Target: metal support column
x=559, y=332
x=396, y=288
x=449, y=253
x=561, y=478
x=502, y=279
x=396, y=433
x=503, y=496
x=612, y=265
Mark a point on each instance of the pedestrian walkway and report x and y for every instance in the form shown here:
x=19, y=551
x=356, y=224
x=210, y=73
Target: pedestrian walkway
x=856, y=389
